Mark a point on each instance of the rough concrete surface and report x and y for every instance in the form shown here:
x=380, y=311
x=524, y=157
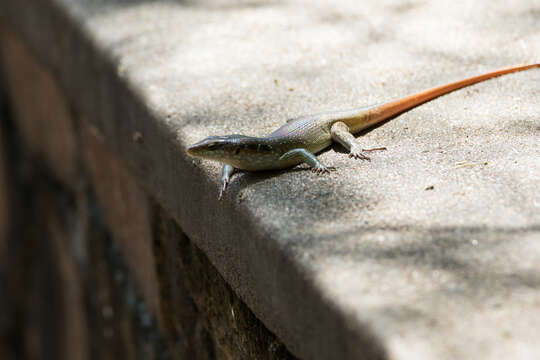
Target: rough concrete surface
x=429, y=251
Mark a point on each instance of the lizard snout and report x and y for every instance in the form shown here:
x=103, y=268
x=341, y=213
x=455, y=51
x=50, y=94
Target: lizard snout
x=195, y=150
x=208, y=148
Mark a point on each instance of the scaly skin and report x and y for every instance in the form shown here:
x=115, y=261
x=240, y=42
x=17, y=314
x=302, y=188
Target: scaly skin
x=299, y=139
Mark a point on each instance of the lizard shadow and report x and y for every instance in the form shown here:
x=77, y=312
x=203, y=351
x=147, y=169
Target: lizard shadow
x=243, y=179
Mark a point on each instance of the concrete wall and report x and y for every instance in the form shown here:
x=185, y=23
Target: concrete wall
x=91, y=266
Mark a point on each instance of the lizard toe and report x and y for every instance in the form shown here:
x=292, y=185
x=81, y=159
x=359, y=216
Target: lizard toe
x=358, y=156
x=320, y=170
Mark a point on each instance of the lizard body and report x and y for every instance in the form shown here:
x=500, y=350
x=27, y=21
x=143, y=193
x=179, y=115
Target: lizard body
x=299, y=139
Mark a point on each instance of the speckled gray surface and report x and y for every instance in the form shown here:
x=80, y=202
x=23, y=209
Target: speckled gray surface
x=429, y=251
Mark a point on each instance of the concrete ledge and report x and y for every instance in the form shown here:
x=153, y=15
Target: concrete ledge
x=428, y=251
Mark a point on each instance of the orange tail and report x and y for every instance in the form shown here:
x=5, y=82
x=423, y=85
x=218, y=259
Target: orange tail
x=385, y=111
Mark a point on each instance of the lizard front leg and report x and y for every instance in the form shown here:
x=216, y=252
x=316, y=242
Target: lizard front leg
x=309, y=159
x=226, y=173
x=341, y=134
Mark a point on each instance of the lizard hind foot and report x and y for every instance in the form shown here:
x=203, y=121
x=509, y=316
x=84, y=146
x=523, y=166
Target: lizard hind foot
x=358, y=155
x=321, y=169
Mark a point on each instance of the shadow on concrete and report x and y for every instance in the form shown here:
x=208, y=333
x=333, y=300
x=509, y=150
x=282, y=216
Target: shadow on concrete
x=469, y=253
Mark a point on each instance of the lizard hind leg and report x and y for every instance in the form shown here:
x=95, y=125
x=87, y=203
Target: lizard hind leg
x=341, y=134
x=309, y=159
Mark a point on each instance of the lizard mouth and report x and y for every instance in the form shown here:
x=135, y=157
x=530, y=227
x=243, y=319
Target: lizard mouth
x=204, y=149
x=196, y=150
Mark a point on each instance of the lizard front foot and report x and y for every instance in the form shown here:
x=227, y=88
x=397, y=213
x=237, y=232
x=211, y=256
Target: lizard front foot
x=226, y=173
x=224, y=185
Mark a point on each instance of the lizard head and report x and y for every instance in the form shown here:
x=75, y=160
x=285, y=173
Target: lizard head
x=230, y=149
